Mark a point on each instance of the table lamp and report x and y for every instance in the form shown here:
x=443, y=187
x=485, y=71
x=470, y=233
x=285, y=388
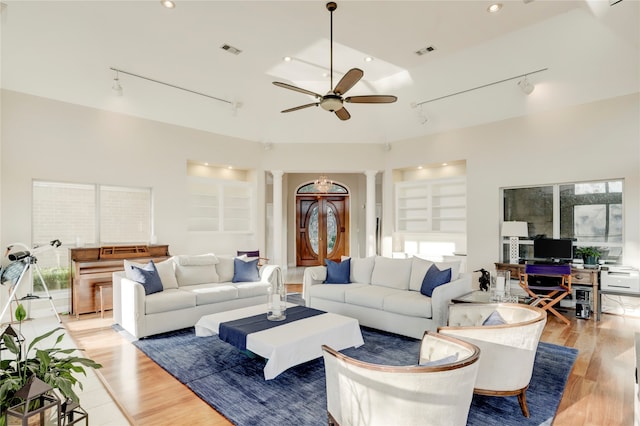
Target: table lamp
x=514, y=230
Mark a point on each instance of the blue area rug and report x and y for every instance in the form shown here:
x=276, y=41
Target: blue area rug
x=233, y=383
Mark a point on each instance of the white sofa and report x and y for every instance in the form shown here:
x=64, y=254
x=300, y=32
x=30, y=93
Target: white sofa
x=193, y=286
x=384, y=293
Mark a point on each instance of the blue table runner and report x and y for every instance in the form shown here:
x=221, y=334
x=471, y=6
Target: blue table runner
x=235, y=332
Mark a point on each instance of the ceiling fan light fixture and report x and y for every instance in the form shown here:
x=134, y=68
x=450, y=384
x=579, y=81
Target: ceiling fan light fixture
x=331, y=103
x=526, y=87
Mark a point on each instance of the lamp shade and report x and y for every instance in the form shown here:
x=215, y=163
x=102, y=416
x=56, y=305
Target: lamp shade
x=515, y=229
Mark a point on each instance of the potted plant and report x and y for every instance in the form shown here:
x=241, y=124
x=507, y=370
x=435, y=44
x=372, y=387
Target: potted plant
x=55, y=366
x=590, y=255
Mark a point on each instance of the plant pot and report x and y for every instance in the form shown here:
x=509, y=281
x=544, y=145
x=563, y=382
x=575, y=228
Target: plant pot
x=590, y=260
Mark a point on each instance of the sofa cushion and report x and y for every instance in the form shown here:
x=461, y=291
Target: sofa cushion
x=434, y=278
x=332, y=292
x=371, y=296
x=197, y=260
x=361, y=269
x=148, y=277
x=411, y=303
x=199, y=269
x=245, y=270
x=338, y=272
x=394, y=273
x=212, y=293
x=224, y=268
x=169, y=300
x=252, y=289
x=419, y=268
x=165, y=270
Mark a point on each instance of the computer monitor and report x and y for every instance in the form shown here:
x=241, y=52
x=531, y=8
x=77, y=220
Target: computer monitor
x=552, y=249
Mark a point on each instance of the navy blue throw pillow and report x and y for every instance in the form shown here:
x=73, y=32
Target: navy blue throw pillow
x=147, y=276
x=245, y=272
x=433, y=278
x=338, y=272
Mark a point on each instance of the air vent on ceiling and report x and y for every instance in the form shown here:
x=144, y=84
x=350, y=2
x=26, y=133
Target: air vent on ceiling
x=425, y=50
x=231, y=49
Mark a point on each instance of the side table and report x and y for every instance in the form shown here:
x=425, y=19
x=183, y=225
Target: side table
x=479, y=296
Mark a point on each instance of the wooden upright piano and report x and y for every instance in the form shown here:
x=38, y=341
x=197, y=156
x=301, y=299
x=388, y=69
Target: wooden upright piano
x=91, y=269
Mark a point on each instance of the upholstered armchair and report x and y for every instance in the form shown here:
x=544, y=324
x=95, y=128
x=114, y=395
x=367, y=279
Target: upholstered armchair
x=508, y=342
x=437, y=390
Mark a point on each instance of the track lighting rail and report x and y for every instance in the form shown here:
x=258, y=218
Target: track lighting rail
x=479, y=87
x=170, y=85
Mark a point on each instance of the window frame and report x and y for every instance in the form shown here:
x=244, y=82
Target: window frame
x=556, y=218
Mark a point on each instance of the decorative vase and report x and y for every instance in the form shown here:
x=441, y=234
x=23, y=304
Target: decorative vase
x=277, y=301
x=500, y=289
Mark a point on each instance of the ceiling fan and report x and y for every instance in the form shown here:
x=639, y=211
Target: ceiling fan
x=333, y=101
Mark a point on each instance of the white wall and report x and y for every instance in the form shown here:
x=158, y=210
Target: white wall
x=595, y=141
x=46, y=139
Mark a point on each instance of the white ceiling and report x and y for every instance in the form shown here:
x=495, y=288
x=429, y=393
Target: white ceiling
x=64, y=51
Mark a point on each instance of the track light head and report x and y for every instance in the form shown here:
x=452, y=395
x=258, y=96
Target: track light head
x=526, y=86
x=116, y=85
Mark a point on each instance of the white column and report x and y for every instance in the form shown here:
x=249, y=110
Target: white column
x=370, y=213
x=277, y=218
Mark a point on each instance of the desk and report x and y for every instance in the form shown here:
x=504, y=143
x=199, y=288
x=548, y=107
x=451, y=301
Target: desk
x=586, y=277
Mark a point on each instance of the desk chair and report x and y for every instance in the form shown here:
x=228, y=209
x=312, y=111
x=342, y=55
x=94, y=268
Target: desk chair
x=547, y=296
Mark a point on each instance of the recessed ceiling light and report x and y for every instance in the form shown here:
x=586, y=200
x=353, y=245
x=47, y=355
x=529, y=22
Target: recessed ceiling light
x=325, y=74
x=168, y=4
x=206, y=164
x=368, y=59
x=445, y=164
x=419, y=167
x=230, y=167
x=287, y=59
x=495, y=7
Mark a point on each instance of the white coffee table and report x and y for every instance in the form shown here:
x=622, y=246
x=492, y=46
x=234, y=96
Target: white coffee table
x=289, y=344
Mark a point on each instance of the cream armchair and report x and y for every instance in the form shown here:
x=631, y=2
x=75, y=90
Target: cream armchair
x=438, y=391
x=507, y=350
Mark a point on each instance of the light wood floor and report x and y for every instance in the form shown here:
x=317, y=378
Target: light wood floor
x=599, y=392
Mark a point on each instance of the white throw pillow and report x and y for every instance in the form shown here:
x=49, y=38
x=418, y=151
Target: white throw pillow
x=361, y=269
x=419, y=268
x=200, y=269
x=394, y=273
x=197, y=260
x=165, y=270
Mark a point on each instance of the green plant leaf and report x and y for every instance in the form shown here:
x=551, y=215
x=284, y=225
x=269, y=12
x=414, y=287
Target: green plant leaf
x=11, y=344
x=21, y=313
x=42, y=337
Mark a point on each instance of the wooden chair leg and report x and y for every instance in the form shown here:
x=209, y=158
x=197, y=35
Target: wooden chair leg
x=522, y=399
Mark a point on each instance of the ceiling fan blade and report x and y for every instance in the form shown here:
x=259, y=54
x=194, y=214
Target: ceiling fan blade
x=348, y=81
x=300, y=107
x=297, y=89
x=343, y=114
x=371, y=99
